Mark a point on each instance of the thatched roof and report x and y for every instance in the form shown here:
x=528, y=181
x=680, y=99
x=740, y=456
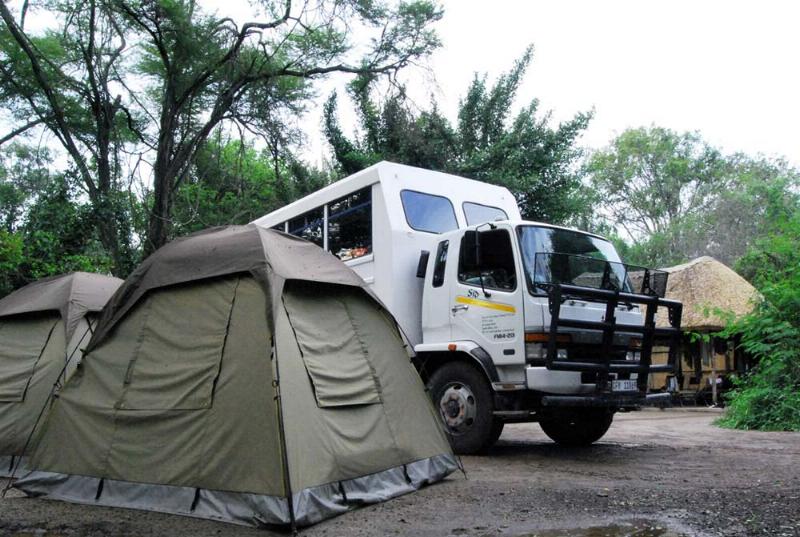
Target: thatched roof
x=705, y=283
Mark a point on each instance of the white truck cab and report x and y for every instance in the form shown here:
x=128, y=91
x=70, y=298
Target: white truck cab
x=510, y=320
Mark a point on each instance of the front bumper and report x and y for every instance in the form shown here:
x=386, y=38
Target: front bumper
x=607, y=400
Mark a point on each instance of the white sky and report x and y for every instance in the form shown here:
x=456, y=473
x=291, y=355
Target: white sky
x=728, y=69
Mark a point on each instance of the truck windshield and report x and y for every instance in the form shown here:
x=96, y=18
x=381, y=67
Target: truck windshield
x=562, y=256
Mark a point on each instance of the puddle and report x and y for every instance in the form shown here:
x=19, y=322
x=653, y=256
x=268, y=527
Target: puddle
x=625, y=528
x=36, y=533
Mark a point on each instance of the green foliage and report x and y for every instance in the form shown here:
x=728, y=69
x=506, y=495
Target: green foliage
x=58, y=235
x=125, y=82
x=675, y=198
x=23, y=174
x=205, y=70
x=69, y=80
x=650, y=177
x=536, y=161
x=768, y=398
x=233, y=183
x=11, y=257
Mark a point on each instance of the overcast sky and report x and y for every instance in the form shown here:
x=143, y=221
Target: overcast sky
x=727, y=69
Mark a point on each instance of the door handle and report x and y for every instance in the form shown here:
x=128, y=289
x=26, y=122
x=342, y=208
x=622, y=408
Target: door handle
x=459, y=307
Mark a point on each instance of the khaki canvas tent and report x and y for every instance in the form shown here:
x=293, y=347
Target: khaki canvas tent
x=242, y=375
x=42, y=326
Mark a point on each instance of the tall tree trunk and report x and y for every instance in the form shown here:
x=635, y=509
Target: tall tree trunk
x=160, y=221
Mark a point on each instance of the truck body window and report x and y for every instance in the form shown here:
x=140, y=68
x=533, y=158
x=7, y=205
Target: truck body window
x=476, y=213
x=441, y=261
x=426, y=212
x=309, y=226
x=350, y=225
x=497, y=261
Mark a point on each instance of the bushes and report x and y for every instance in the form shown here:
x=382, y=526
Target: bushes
x=768, y=399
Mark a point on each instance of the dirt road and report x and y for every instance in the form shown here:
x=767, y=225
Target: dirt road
x=656, y=473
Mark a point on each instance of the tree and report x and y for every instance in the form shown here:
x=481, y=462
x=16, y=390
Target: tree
x=650, y=178
x=768, y=398
x=741, y=204
x=206, y=69
x=536, y=161
x=233, y=183
x=193, y=71
x=64, y=80
x=24, y=174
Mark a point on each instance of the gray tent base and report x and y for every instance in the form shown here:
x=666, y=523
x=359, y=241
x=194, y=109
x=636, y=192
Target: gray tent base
x=310, y=505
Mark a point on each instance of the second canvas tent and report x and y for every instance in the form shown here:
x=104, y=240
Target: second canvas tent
x=242, y=375
x=43, y=326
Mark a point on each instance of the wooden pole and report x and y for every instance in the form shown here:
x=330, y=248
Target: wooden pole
x=713, y=357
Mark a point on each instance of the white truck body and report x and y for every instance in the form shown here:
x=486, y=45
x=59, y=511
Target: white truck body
x=453, y=261
x=390, y=267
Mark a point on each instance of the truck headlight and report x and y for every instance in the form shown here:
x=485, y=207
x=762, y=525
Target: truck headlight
x=533, y=352
x=536, y=346
x=536, y=352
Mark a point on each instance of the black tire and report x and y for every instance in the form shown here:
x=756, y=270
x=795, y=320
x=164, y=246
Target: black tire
x=577, y=428
x=469, y=425
x=497, y=430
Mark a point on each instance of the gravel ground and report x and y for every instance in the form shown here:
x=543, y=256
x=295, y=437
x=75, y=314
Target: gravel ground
x=656, y=473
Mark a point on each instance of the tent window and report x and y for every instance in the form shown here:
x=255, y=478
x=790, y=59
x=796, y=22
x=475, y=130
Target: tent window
x=327, y=334
x=24, y=340
x=177, y=358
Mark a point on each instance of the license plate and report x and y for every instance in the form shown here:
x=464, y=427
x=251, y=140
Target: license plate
x=624, y=386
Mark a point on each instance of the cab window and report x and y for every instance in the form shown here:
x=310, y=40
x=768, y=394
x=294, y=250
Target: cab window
x=441, y=260
x=496, y=260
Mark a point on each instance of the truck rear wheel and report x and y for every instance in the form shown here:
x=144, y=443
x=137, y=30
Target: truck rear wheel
x=497, y=430
x=577, y=429
x=464, y=398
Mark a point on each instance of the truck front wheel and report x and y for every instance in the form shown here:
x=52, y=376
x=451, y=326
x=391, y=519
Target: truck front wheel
x=464, y=398
x=577, y=429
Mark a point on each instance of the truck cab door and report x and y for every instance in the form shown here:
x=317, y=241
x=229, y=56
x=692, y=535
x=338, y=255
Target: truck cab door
x=435, y=304
x=490, y=314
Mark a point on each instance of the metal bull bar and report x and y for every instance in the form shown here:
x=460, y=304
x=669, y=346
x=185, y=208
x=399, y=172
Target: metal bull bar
x=608, y=326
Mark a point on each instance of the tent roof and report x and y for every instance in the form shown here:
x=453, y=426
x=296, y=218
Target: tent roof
x=706, y=283
x=72, y=295
x=271, y=255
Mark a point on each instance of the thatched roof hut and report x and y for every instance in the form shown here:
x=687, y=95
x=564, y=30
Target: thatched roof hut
x=706, y=284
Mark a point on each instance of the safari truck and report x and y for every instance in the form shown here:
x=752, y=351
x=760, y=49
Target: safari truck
x=509, y=320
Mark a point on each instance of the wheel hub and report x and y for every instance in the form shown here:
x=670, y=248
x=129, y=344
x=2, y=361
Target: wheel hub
x=457, y=406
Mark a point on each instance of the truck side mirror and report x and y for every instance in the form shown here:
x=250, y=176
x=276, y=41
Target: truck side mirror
x=422, y=265
x=477, y=250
